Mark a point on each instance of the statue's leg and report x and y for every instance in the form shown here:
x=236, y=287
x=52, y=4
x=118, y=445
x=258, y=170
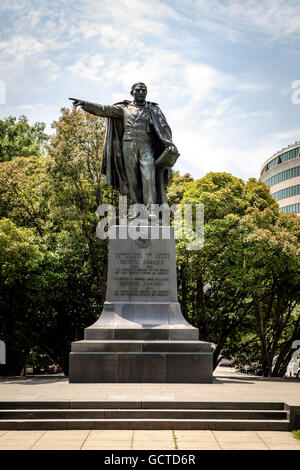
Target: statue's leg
x=147, y=167
x=161, y=185
x=131, y=163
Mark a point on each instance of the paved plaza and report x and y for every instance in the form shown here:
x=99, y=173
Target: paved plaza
x=226, y=387
x=148, y=440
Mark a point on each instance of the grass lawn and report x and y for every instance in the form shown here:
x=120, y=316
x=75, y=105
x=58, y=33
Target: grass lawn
x=296, y=434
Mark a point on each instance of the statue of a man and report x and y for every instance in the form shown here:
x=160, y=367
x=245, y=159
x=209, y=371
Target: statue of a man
x=137, y=136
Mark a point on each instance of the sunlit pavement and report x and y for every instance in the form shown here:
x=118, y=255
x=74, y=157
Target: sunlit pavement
x=227, y=386
x=148, y=440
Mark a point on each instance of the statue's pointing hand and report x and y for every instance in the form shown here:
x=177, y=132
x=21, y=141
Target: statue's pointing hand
x=77, y=102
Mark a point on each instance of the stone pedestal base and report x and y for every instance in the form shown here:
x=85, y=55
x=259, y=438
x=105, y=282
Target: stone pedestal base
x=117, y=349
x=192, y=365
x=141, y=335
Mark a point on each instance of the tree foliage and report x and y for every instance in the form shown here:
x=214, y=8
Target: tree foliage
x=19, y=139
x=20, y=260
x=246, y=278
x=53, y=199
x=241, y=289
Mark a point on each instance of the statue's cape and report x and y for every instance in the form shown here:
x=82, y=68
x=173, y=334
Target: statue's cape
x=112, y=157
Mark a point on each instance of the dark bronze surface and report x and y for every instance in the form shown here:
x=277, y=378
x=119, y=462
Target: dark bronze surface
x=137, y=136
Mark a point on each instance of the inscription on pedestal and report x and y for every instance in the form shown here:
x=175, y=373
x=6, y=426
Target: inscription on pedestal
x=142, y=277
x=142, y=274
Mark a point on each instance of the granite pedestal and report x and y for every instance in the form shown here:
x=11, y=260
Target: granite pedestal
x=141, y=335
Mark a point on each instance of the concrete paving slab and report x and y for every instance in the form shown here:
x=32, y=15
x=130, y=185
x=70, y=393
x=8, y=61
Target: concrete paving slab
x=65, y=435
x=237, y=436
x=277, y=436
x=150, y=436
x=20, y=440
x=21, y=435
x=283, y=447
x=231, y=388
x=198, y=446
x=154, y=446
x=113, y=446
x=16, y=445
x=112, y=440
x=239, y=446
x=195, y=436
x=61, y=440
x=226, y=387
x=279, y=439
x=55, y=445
x=153, y=440
x=107, y=435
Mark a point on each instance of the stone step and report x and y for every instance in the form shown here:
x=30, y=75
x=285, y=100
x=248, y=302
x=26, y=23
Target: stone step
x=155, y=414
x=145, y=414
x=147, y=424
x=146, y=346
x=123, y=404
x=156, y=332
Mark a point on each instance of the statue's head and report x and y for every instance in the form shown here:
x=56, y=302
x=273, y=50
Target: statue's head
x=139, y=91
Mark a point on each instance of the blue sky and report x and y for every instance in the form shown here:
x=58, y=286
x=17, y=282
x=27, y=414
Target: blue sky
x=221, y=70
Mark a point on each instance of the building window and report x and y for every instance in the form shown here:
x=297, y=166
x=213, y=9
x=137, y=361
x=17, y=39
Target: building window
x=284, y=157
x=290, y=155
x=272, y=163
x=291, y=208
x=287, y=192
x=283, y=175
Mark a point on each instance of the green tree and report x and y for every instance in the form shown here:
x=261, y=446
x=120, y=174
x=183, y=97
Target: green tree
x=20, y=139
x=214, y=283
x=241, y=289
x=56, y=198
x=25, y=192
x=20, y=260
x=178, y=186
x=271, y=274
x=78, y=186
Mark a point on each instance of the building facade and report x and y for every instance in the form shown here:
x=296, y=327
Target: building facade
x=282, y=173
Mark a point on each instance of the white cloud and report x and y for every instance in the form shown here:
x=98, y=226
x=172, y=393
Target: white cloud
x=98, y=48
x=202, y=152
x=88, y=68
x=21, y=47
x=234, y=19
x=286, y=136
x=43, y=112
x=52, y=69
x=135, y=15
x=26, y=107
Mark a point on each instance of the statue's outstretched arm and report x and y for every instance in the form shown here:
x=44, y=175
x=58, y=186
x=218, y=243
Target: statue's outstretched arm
x=98, y=109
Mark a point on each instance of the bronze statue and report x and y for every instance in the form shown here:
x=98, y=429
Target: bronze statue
x=138, y=152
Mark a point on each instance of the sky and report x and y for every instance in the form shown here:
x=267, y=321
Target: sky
x=224, y=72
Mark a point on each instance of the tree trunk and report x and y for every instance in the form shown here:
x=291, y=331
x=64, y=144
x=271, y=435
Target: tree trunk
x=184, y=294
x=265, y=356
x=201, y=305
x=285, y=354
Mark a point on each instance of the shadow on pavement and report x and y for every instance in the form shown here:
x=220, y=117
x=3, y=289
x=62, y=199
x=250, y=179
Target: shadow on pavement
x=34, y=380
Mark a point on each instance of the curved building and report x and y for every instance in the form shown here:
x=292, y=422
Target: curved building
x=282, y=173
